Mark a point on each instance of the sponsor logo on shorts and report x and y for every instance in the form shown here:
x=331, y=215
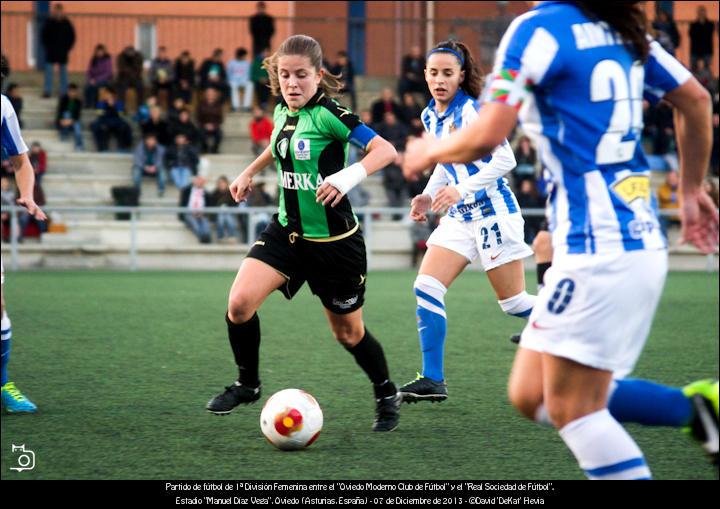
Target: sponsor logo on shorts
x=535, y=325
x=345, y=304
x=494, y=257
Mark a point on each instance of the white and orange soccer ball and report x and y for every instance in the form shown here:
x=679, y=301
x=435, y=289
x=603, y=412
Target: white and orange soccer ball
x=291, y=419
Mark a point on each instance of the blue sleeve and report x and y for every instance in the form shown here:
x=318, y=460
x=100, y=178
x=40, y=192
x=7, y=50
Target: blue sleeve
x=663, y=73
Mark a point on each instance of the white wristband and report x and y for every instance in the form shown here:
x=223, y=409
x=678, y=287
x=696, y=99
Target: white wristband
x=346, y=179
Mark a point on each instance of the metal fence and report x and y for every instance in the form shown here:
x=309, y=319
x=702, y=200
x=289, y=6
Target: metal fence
x=367, y=214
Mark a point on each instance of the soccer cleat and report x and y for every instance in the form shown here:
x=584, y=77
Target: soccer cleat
x=704, y=425
x=515, y=338
x=387, y=413
x=424, y=389
x=14, y=401
x=234, y=395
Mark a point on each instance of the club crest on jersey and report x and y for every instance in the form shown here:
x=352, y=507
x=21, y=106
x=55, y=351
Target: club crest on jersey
x=282, y=147
x=632, y=187
x=302, y=149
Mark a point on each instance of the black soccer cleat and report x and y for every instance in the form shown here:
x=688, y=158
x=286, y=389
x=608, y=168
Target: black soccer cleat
x=515, y=338
x=424, y=389
x=387, y=413
x=234, y=395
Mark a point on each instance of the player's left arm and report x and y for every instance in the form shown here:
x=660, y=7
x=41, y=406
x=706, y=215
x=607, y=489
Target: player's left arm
x=502, y=162
x=341, y=124
x=25, y=178
x=693, y=128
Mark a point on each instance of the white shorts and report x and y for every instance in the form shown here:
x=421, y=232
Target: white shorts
x=497, y=239
x=2, y=267
x=597, y=309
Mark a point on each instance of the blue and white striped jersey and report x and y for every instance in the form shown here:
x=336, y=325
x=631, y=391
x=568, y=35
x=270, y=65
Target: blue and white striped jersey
x=494, y=199
x=579, y=92
x=12, y=141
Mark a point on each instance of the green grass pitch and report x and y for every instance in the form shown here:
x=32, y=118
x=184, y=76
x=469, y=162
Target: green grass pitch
x=121, y=366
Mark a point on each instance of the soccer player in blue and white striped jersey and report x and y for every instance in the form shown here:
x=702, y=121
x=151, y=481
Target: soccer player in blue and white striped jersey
x=575, y=75
x=483, y=219
x=12, y=143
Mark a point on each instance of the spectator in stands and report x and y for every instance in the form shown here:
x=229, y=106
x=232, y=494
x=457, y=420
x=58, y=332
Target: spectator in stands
x=413, y=74
x=184, y=77
x=149, y=161
x=184, y=125
x=238, y=71
x=110, y=122
x=410, y=110
x=196, y=198
x=262, y=29
x=703, y=74
x=526, y=159
x=181, y=160
x=528, y=197
x=666, y=31
x=701, y=39
x=261, y=128
x=393, y=180
x=156, y=125
x=143, y=112
x=711, y=188
x=173, y=114
x=58, y=38
x=38, y=160
x=384, y=104
x=344, y=68
x=67, y=118
x=14, y=95
x=98, y=75
x=366, y=118
x=212, y=74
x=260, y=79
x=226, y=224
x=130, y=75
x=258, y=197
x=668, y=199
x=24, y=218
x=7, y=196
x=209, y=114
x=161, y=76
x=659, y=127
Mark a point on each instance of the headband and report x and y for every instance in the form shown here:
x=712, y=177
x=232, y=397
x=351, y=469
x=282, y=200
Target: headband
x=448, y=50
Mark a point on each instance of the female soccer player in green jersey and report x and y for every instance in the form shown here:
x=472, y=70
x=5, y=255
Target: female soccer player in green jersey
x=315, y=236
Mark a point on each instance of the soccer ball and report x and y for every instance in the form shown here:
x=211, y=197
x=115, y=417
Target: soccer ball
x=291, y=419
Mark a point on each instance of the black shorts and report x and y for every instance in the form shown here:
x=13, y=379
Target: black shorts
x=335, y=270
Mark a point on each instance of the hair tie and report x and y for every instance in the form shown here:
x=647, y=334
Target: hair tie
x=448, y=50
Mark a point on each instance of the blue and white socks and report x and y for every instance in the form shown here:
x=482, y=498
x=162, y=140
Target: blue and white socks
x=520, y=305
x=603, y=449
x=6, y=337
x=432, y=324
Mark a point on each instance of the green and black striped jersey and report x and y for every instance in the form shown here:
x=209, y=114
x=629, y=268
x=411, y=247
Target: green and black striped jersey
x=308, y=146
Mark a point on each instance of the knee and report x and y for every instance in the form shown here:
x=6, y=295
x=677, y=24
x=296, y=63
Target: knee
x=241, y=306
x=348, y=334
x=542, y=245
x=525, y=400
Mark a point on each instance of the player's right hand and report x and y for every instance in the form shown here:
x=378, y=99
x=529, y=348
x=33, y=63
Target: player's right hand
x=241, y=187
x=32, y=208
x=419, y=207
